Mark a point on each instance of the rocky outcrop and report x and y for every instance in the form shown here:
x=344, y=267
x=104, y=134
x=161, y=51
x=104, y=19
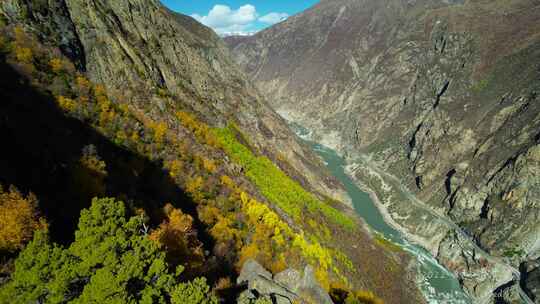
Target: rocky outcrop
x=51, y=22
x=289, y=286
x=442, y=95
x=531, y=278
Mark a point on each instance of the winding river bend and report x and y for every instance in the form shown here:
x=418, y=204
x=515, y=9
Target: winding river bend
x=436, y=283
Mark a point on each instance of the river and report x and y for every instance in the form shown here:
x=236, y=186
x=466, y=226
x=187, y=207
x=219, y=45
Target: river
x=436, y=283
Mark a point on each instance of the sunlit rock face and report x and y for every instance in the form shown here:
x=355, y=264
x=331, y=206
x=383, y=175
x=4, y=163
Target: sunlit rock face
x=442, y=94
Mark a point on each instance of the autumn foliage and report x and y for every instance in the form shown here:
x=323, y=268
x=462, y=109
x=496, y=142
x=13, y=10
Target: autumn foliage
x=201, y=131
x=177, y=236
x=363, y=297
x=88, y=175
x=22, y=46
x=19, y=219
x=242, y=201
x=110, y=261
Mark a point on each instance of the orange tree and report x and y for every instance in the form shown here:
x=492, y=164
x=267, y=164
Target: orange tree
x=18, y=219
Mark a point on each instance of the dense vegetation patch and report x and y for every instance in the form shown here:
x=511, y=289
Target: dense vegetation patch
x=274, y=184
x=110, y=261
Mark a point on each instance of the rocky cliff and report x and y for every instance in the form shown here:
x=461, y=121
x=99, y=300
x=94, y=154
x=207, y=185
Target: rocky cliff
x=144, y=51
x=155, y=102
x=442, y=95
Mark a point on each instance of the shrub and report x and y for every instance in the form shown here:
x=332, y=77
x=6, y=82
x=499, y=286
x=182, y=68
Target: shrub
x=224, y=231
x=278, y=265
x=209, y=165
x=175, y=167
x=201, y=131
x=56, y=65
x=83, y=85
x=88, y=174
x=22, y=46
x=322, y=277
x=228, y=182
x=248, y=252
x=209, y=214
x=23, y=54
x=223, y=284
x=160, y=129
x=194, y=187
x=67, y=104
x=362, y=297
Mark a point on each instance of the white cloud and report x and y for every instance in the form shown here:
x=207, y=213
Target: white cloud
x=274, y=18
x=225, y=20
x=242, y=21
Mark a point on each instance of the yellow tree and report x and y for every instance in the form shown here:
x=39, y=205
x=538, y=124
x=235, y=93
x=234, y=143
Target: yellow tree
x=178, y=238
x=88, y=176
x=22, y=46
x=19, y=219
x=56, y=65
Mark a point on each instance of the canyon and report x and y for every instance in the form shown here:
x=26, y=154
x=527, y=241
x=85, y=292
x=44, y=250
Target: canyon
x=434, y=104
x=124, y=112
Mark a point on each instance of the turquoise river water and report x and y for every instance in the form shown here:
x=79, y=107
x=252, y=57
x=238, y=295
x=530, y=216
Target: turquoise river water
x=436, y=283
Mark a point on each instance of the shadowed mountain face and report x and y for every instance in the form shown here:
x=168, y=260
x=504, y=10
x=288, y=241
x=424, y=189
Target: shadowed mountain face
x=442, y=95
x=162, y=62
x=140, y=48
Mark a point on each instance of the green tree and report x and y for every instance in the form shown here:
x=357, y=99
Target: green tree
x=37, y=275
x=110, y=261
x=194, y=292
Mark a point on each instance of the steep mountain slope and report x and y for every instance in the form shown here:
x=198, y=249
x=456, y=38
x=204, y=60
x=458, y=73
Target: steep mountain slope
x=441, y=94
x=125, y=99
x=148, y=48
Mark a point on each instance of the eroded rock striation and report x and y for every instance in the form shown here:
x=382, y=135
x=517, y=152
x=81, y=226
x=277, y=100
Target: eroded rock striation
x=442, y=95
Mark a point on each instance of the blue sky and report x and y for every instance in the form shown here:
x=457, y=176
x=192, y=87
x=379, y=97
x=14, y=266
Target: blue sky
x=239, y=16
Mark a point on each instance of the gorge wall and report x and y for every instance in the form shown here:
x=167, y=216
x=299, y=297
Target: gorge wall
x=442, y=95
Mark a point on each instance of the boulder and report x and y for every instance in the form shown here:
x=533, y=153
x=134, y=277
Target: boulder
x=311, y=289
x=252, y=270
x=289, y=286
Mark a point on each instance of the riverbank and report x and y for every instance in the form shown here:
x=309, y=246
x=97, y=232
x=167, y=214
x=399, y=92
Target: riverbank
x=486, y=277
x=399, y=212
x=386, y=214
x=437, y=284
